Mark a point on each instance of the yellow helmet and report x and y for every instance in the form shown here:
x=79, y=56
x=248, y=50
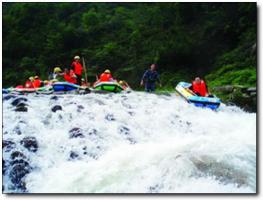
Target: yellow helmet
x=76, y=58
x=57, y=69
x=31, y=78
x=107, y=71
x=121, y=82
x=45, y=81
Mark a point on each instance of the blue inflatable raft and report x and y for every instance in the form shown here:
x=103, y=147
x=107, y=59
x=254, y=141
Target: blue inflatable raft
x=64, y=86
x=206, y=102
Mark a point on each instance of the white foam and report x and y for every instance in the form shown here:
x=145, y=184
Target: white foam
x=171, y=146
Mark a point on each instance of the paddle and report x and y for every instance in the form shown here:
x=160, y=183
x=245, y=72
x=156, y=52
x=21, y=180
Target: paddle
x=85, y=70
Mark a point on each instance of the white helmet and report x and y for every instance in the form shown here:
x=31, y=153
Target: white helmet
x=76, y=58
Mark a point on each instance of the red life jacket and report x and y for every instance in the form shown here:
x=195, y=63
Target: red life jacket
x=19, y=86
x=200, y=88
x=77, y=68
x=29, y=84
x=70, y=77
x=105, y=77
x=37, y=83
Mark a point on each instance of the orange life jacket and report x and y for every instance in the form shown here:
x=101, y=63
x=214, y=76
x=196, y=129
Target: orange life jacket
x=77, y=68
x=70, y=77
x=200, y=88
x=37, y=83
x=105, y=77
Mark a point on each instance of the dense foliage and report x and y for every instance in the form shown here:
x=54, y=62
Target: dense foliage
x=184, y=39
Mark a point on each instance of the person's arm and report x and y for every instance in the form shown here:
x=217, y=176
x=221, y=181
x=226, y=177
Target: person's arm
x=144, y=77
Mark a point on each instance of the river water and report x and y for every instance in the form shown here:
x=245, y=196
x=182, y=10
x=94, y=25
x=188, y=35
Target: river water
x=127, y=143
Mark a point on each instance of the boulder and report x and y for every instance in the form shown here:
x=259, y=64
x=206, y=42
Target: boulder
x=17, y=155
x=56, y=108
x=18, y=100
x=17, y=173
x=73, y=155
x=8, y=145
x=110, y=117
x=7, y=97
x=30, y=143
x=54, y=98
x=76, y=133
x=21, y=109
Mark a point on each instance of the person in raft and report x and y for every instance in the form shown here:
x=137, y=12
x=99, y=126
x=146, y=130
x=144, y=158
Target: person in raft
x=199, y=87
x=57, y=74
x=124, y=84
x=29, y=82
x=106, y=76
x=149, y=78
x=77, y=68
x=69, y=76
x=37, y=82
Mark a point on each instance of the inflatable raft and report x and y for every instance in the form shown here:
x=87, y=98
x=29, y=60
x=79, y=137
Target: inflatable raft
x=64, y=86
x=25, y=90
x=206, y=102
x=108, y=87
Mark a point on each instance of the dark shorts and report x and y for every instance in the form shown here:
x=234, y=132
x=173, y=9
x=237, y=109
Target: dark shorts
x=150, y=87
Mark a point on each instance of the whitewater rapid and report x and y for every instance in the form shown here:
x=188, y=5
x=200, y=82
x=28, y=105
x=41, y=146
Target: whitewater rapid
x=130, y=143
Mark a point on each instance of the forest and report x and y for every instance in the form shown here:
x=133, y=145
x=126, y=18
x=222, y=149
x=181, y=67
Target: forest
x=217, y=41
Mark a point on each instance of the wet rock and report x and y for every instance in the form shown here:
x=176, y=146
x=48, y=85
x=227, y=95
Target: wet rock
x=93, y=132
x=17, y=130
x=131, y=113
x=22, y=104
x=4, y=166
x=18, y=100
x=8, y=145
x=54, y=98
x=154, y=189
x=73, y=155
x=131, y=140
x=110, y=117
x=188, y=123
x=80, y=107
x=17, y=155
x=124, y=130
x=21, y=109
x=7, y=97
x=17, y=174
x=76, y=133
x=56, y=108
x=30, y=143
x=126, y=133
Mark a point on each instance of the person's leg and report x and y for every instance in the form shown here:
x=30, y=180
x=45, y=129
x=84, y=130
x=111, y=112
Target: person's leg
x=153, y=87
x=147, y=87
x=78, y=79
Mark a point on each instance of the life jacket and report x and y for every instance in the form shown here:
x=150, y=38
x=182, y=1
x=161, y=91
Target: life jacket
x=29, y=84
x=19, y=87
x=105, y=77
x=70, y=77
x=200, y=88
x=77, y=68
x=37, y=83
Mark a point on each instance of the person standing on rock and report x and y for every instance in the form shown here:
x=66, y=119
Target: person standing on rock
x=77, y=68
x=149, y=78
